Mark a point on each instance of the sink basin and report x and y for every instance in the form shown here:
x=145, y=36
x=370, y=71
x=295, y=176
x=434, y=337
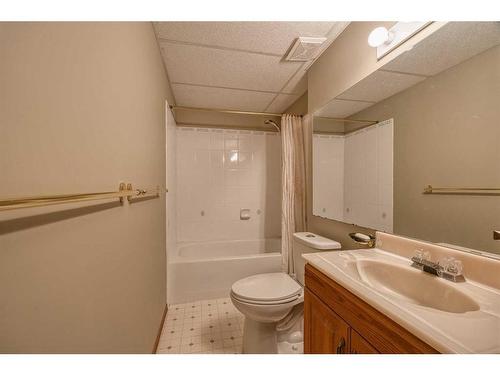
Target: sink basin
x=413, y=286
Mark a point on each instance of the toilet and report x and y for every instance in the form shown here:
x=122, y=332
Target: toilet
x=272, y=303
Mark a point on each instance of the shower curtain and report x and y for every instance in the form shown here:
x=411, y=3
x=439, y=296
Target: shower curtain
x=295, y=133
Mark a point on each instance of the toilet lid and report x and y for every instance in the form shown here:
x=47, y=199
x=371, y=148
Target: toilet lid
x=266, y=287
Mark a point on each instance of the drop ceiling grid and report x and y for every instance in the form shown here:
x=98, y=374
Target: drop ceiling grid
x=204, y=66
x=379, y=86
x=239, y=70
x=240, y=56
x=452, y=44
x=282, y=95
x=259, y=37
x=299, y=79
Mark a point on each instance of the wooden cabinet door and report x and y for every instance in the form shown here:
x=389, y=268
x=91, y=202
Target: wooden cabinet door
x=359, y=345
x=324, y=331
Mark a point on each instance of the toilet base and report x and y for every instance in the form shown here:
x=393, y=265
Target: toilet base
x=259, y=338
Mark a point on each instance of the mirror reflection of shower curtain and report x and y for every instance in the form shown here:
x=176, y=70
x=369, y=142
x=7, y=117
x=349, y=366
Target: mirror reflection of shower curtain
x=294, y=135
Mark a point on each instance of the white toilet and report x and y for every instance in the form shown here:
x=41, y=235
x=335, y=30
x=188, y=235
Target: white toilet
x=273, y=302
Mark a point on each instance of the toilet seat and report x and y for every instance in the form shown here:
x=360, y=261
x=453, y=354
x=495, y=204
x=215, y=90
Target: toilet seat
x=267, y=289
x=255, y=302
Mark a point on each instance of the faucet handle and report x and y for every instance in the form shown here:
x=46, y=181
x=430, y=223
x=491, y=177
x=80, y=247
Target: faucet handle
x=451, y=266
x=422, y=255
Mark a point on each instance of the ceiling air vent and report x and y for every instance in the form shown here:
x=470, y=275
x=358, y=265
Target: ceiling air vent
x=304, y=49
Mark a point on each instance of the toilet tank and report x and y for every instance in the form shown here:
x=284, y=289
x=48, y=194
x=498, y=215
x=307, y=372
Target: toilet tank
x=305, y=243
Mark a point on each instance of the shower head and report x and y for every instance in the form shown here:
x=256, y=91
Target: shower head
x=271, y=122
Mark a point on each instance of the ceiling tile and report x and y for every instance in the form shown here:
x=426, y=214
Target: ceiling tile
x=342, y=108
x=215, y=67
x=282, y=102
x=264, y=37
x=298, y=84
x=448, y=46
x=211, y=97
x=380, y=85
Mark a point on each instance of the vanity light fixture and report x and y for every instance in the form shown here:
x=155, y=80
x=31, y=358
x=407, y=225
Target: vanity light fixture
x=379, y=36
x=385, y=40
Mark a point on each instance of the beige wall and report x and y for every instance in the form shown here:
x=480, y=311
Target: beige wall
x=81, y=109
x=298, y=107
x=223, y=120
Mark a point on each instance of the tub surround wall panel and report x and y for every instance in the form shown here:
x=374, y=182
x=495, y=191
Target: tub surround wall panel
x=82, y=107
x=219, y=172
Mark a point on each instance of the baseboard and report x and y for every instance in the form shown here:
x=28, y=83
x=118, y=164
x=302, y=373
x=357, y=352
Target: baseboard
x=157, y=342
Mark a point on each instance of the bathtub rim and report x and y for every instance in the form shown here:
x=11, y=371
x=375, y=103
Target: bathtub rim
x=180, y=259
x=176, y=258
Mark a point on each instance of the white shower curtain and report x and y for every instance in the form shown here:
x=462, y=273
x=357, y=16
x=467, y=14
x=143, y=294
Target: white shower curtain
x=294, y=137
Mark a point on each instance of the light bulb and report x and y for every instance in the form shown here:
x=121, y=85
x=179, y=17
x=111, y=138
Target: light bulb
x=379, y=36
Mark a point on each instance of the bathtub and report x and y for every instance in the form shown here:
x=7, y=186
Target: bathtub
x=205, y=270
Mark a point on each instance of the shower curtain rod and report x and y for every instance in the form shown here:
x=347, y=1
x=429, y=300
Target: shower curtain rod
x=371, y=122
x=229, y=111
x=269, y=114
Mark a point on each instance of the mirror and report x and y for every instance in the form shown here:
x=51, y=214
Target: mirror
x=414, y=148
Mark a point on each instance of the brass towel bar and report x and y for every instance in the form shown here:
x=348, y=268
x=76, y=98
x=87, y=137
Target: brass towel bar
x=124, y=191
x=449, y=190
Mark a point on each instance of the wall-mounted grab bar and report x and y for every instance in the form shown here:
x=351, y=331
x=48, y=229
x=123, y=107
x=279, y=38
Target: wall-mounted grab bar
x=472, y=191
x=124, y=191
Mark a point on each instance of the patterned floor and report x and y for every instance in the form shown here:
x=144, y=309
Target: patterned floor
x=202, y=327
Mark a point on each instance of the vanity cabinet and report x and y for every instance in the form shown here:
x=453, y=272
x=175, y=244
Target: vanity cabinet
x=359, y=345
x=330, y=332
x=338, y=322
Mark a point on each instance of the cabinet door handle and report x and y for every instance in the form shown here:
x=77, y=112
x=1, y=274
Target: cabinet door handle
x=340, y=345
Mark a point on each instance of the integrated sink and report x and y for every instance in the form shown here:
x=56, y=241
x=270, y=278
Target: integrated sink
x=413, y=286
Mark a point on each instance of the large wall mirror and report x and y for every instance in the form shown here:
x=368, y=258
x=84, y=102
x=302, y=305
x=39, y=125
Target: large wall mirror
x=414, y=148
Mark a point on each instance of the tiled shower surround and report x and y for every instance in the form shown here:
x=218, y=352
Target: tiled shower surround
x=219, y=173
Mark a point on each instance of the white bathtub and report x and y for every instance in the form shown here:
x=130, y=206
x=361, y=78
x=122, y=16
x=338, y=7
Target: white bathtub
x=204, y=270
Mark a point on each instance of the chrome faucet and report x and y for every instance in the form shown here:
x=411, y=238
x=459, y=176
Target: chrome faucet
x=448, y=268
